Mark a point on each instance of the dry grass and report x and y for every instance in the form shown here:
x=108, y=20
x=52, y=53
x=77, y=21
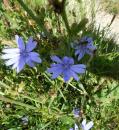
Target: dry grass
x=111, y=6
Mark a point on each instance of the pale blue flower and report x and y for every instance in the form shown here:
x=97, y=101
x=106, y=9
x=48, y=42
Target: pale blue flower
x=87, y=126
x=66, y=67
x=76, y=112
x=25, y=120
x=18, y=57
x=84, y=46
x=75, y=127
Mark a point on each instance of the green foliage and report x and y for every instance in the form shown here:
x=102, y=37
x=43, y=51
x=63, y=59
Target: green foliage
x=47, y=103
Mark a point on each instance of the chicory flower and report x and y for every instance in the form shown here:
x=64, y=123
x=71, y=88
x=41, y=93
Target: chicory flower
x=75, y=127
x=87, y=126
x=18, y=57
x=66, y=67
x=84, y=46
x=76, y=112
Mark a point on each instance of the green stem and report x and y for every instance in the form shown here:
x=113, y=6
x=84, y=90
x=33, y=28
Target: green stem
x=61, y=93
x=75, y=87
x=3, y=85
x=32, y=15
x=17, y=103
x=52, y=82
x=32, y=99
x=64, y=17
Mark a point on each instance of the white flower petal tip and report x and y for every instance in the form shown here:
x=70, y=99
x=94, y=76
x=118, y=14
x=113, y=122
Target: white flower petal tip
x=11, y=50
x=87, y=126
x=18, y=57
x=16, y=38
x=30, y=44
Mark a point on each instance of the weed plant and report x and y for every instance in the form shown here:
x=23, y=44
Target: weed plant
x=31, y=100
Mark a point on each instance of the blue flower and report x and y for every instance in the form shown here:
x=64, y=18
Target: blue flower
x=18, y=57
x=85, y=46
x=66, y=68
x=75, y=127
x=84, y=126
x=76, y=112
x=25, y=120
x=87, y=126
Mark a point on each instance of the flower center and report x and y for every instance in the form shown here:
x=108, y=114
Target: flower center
x=24, y=54
x=84, y=42
x=66, y=66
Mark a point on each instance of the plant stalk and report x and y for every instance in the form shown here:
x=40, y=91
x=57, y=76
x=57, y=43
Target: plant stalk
x=2, y=98
x=32, y=15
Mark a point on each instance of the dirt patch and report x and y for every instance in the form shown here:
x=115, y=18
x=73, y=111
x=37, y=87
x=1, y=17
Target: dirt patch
x=103, y=19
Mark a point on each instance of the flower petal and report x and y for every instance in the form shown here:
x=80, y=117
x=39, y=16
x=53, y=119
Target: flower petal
x=83, y=122
x=9, y=56
x=71, y=61
x=67, y=75
x=20, y=42
x=91, y=47
x=56, y=74
x=89, y=52
x=11, y=50
x=81, y=66
x=77, y=52
x=33, y=54
x=78, y=69
x=20, y=64
x=55, y=65
x=56, y=70
x=11, y=61
x=76, y=127
x=89, y=39
x=35, y=57
x=81, y=54
x=75, y=76
x=67, y=60
x=76, y=112
x=30, y=44
x=56, y=59
x=15, y=64
x=89, y=125
x=30, y=63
